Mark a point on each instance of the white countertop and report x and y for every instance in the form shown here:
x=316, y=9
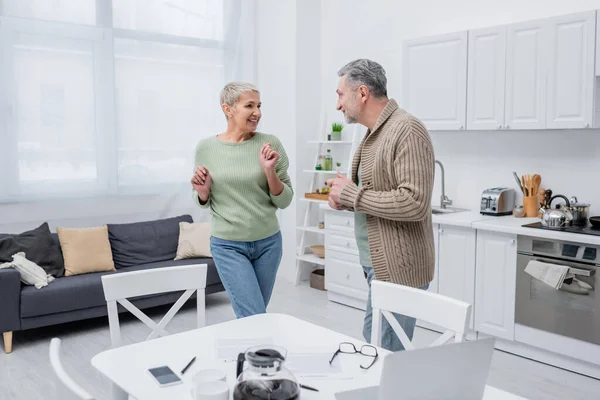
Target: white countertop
x=513, y=225
x=505, y=224
x=465, y=219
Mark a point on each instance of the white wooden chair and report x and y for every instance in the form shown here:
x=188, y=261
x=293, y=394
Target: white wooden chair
x=70, y=388
x=443, y=311
x=121, y=286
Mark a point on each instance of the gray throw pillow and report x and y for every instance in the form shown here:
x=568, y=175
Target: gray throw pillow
x=39, y=247
x=145, y=242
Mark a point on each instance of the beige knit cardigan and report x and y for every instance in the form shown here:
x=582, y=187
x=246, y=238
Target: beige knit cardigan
x=398, y=166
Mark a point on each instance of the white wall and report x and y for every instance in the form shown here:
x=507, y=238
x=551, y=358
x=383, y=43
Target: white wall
x=276, y=79
x=288, y=43
x=567, y=160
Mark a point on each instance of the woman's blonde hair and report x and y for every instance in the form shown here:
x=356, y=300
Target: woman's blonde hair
x=233, y=90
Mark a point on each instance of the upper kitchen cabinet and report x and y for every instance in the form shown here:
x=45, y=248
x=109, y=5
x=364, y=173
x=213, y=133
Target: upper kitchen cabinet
x=486, y=79
x=571, y=59
x=435, y=80
x=525, y=80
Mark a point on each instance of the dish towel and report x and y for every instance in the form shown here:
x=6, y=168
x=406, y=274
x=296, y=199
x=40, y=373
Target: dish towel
x=551, y=274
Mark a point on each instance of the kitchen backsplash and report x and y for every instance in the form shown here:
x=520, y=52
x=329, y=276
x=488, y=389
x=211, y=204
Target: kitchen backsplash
x=569, y=162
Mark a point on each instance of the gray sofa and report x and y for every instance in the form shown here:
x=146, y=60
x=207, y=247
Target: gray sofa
x=135, y=247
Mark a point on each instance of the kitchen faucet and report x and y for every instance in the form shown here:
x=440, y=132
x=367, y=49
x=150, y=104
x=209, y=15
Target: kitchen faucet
x=444, y=200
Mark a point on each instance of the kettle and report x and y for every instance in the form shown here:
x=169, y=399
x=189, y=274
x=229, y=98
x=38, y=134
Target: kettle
x=557, y=217
x=266, y=377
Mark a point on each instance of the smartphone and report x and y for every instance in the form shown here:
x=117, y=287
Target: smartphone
x=164, y=376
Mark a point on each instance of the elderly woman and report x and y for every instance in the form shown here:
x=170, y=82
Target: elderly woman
x=242, y=176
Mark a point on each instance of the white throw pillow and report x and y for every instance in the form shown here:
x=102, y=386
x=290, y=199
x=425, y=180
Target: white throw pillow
x=31, y=273
x=194, y=240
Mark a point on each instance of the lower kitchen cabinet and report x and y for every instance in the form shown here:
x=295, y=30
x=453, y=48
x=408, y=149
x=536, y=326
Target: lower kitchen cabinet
x=456, y=263
x=344, y=277
x=496, y=270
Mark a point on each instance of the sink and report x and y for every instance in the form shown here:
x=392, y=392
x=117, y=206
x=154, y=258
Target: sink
x=447, y=210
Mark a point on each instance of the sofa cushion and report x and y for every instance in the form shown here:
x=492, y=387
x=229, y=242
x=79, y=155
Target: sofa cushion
x=145, y=242
x=194, y=241
x=85, y=291
x=86, y=250
x=39, y=247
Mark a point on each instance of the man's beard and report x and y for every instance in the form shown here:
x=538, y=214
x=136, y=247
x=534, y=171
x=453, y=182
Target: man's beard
x=350, y=119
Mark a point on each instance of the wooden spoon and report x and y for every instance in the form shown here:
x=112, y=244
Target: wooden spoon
x=537, y=181
x=524, y=186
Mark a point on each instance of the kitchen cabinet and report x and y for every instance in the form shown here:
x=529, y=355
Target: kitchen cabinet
x=435, y=80
x=456, y=263
x=571, y=59
x=532, y=75
x=486, y=79
x=525, y=79
x=496, y=272
x=433, y=285
x=344, y=277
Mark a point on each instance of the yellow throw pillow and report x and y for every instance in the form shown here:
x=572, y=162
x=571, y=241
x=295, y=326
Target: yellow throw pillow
x=194, y=240
x=85, y=250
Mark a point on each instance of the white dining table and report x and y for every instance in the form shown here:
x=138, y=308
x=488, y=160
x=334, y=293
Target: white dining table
x=127, y=366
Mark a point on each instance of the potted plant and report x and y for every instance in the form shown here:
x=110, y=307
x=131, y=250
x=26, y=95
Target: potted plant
x=338, y=166
x=336, y=131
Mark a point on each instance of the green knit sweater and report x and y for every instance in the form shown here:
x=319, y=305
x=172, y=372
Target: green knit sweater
x=242, y=207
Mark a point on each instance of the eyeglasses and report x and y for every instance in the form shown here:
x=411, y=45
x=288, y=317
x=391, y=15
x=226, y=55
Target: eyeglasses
x=365, y=350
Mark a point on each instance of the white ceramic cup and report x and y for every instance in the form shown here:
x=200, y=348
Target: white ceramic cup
x=209, y=375
x=215, y=390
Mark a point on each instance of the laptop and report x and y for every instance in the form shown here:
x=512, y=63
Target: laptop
x=456, y=371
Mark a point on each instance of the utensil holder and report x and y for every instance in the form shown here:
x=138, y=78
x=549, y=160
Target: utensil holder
x=531, y=204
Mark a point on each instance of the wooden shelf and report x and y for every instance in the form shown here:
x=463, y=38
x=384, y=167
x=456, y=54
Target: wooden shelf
x=311, y=258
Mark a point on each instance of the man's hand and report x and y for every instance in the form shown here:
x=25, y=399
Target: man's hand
x=337, y=185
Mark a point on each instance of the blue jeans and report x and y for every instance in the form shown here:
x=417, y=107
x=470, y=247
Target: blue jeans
x=248, y=271
x=389, y=339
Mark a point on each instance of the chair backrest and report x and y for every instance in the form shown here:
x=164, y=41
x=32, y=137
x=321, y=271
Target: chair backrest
x=443, y=311
x=71, y=388
x=121, y=286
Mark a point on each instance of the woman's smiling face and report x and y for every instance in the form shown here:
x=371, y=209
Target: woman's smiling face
x=246, y=113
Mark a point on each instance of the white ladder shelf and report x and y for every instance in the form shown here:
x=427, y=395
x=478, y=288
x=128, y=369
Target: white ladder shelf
x=304, y=257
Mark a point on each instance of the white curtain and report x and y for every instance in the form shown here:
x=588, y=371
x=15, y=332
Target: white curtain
x=101, y=97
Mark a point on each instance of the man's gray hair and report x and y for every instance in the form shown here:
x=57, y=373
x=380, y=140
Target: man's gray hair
x=233, y=90
x=368, y=73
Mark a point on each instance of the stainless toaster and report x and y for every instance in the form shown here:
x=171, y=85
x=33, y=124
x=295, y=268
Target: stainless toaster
x=497, y=201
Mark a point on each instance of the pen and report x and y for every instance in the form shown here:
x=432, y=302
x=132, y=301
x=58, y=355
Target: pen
x=308, y=388
x=188, y=365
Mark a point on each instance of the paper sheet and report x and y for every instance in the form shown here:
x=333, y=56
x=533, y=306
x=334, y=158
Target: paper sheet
x=315, y=366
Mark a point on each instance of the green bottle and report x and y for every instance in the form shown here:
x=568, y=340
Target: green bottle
x=328, y=161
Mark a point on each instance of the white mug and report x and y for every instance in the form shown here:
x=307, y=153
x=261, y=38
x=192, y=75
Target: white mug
x=209, y=375
x=215, y=390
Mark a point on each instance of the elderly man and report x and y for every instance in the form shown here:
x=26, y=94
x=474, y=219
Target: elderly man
x=390, y=189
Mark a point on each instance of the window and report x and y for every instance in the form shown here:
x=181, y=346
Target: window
x=73, y=11
x=90, y=106
x=190, y=18
x=170, y=114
